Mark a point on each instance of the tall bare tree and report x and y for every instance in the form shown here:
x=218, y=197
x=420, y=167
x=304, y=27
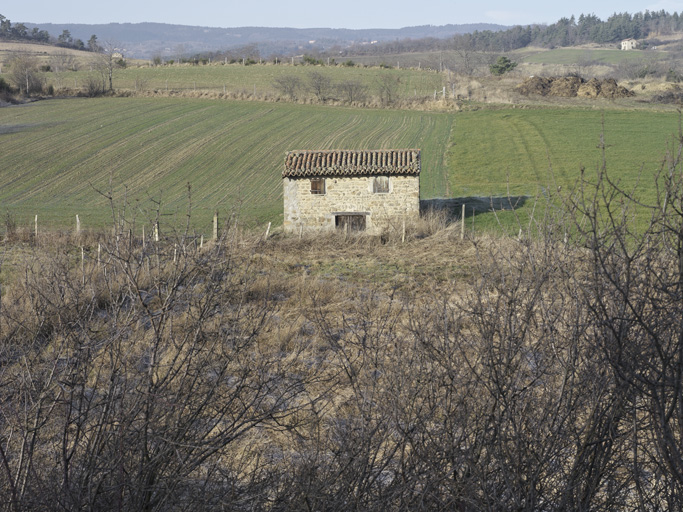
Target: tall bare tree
x=24, y=74
x=110, y=59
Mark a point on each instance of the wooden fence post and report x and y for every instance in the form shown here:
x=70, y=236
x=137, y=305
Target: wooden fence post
x=156, y=231
x=473, y=223
x=35, y=228
x=267, y=232
x=462, y=223
x=78, y=225
x=215, y=225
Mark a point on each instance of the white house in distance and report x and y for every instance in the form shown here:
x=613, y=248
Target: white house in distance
x=629, y=44
x=354, y=190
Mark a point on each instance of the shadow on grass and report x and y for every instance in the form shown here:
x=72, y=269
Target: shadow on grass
x=474, y=205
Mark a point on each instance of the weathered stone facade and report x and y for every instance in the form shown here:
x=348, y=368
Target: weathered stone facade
x=368, y=190
x=629, y=44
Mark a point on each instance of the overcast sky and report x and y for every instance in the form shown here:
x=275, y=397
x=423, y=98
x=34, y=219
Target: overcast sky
x=317, y=13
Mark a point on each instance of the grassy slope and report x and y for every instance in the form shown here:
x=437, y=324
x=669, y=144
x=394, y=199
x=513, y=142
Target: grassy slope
x=603, y=56
x=55, y=153
x=532, y=150
x=258, y=78
x=43, y=53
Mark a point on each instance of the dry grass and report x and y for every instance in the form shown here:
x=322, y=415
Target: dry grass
x=43, y=53
x=333, y=354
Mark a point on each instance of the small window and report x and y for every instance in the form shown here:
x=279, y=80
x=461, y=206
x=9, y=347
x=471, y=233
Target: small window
x=317, y=185
x=380, y=185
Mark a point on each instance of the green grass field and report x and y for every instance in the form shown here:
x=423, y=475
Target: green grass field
x=530, y=151
x=56, y=154
x=252, y=79
x=569, y=56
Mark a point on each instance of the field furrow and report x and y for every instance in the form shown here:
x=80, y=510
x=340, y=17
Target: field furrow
x=533, y=150
x=57, y=154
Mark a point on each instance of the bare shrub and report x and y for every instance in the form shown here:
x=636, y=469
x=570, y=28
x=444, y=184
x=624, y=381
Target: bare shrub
x=94, y=85
x=288, y=85
x=320, y=85
x=352, y=91
x=141, y=84
x=634, y=297
x=387, y=89
x=24, y=75
x=63, y=61
x=10, y=222
x=177, y=377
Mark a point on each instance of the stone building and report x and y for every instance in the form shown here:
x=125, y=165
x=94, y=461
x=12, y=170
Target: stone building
x=354, y=190
x=629, y=44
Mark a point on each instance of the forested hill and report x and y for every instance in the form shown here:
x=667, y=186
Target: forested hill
x=587, y=29
x=565, y=32
x=145, y=40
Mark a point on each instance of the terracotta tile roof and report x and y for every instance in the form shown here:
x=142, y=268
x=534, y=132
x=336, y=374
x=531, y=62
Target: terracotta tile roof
x=302, y=164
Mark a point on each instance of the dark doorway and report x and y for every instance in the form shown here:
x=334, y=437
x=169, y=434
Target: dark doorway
x=350, y=222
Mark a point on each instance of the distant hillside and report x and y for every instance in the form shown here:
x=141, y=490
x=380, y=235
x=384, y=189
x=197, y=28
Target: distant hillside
x=144, y=40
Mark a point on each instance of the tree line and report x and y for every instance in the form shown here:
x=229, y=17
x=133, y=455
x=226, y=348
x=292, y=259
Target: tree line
x=587, y=28
x=323, y=89
x=19, y=31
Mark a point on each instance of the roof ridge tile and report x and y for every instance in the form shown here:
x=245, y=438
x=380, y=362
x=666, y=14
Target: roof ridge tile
x=342, y=162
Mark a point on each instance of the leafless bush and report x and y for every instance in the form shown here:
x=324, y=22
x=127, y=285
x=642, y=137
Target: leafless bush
x=125, y=383
x=94, y=85
x=24, y=75
x=141, y=84
x=387, y=89
x=61, y=62
x=320, y=85
x=10, y=223
x=634, y=295
x=352, y=91
x=289, y=85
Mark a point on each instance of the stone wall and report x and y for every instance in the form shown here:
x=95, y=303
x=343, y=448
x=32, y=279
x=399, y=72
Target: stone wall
x=349, y=195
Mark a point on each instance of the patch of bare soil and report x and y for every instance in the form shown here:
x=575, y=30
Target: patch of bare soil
x=673, y=96
x=535, y=85
x=572, y=87
x=565, y=86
